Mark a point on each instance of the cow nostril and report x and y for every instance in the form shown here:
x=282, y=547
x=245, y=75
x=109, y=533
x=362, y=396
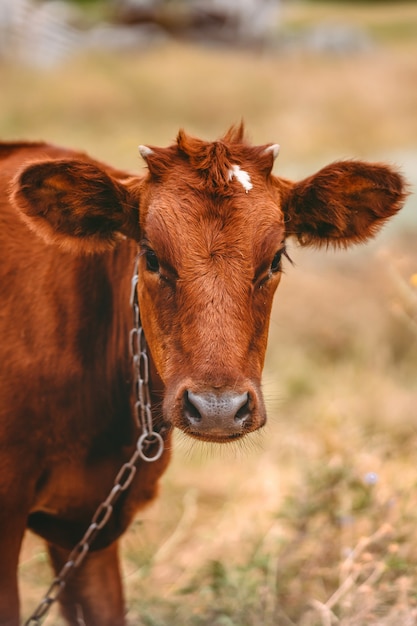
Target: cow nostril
x=243, y=413
x=190, y=410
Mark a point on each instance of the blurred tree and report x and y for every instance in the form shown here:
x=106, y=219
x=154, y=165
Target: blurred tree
x=229, y=21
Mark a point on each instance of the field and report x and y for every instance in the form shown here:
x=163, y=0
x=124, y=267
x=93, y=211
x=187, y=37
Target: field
x=312, y=522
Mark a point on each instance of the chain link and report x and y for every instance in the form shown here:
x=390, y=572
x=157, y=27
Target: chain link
x=146, y=442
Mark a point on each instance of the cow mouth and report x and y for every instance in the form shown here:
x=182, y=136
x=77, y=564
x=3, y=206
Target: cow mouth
x=212, y=438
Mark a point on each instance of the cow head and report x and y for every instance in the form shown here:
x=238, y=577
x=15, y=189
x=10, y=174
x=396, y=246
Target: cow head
x=211, y=222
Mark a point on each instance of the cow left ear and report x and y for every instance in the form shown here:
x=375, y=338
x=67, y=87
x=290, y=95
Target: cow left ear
x=76, y=204
x=344, y=203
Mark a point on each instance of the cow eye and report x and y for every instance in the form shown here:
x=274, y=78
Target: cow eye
x=276, y=262
x=152, y=263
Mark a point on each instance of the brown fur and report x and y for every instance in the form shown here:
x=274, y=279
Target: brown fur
x=66, y=419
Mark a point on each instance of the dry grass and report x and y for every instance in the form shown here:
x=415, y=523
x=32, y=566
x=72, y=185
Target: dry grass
x=313, y=522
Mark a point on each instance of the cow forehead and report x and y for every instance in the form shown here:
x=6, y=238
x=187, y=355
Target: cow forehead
x=210, y=197
x=184, y=225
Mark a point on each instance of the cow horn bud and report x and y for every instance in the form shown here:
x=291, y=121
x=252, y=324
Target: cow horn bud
x=145, y=152
x=274, y=148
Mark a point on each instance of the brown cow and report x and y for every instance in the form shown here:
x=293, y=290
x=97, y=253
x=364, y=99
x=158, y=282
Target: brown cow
x=210, y=222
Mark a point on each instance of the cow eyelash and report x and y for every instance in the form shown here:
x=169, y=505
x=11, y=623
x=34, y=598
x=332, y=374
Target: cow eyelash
x=276, y=265
x=276, y=262
x=267, y=272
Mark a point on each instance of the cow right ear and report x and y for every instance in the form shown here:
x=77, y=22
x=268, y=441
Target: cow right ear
x=346, y=202
x=76, y=204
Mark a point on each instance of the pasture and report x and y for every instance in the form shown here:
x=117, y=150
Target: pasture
x=313, y=521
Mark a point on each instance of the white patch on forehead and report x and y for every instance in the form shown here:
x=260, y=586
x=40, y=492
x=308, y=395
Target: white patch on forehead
x=242, y=176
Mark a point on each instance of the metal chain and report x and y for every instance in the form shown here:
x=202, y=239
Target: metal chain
x=139, y=352
x=146, y=441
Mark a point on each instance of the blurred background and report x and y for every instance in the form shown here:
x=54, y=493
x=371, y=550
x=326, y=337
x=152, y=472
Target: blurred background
x=313, y=521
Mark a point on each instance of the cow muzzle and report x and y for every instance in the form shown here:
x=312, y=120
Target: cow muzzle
x=219, y=416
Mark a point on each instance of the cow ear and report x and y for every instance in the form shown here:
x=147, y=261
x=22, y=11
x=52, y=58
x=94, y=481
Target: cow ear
x=344, y=203
x=75, y=204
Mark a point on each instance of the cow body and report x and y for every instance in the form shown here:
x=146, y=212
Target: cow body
x=65, y=375
x=210, y=222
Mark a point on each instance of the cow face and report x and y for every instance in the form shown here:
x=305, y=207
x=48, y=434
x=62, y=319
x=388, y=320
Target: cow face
x=211, y=250
x=211, y=223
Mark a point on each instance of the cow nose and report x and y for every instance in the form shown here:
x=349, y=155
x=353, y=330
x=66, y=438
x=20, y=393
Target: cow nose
x=217, y=415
